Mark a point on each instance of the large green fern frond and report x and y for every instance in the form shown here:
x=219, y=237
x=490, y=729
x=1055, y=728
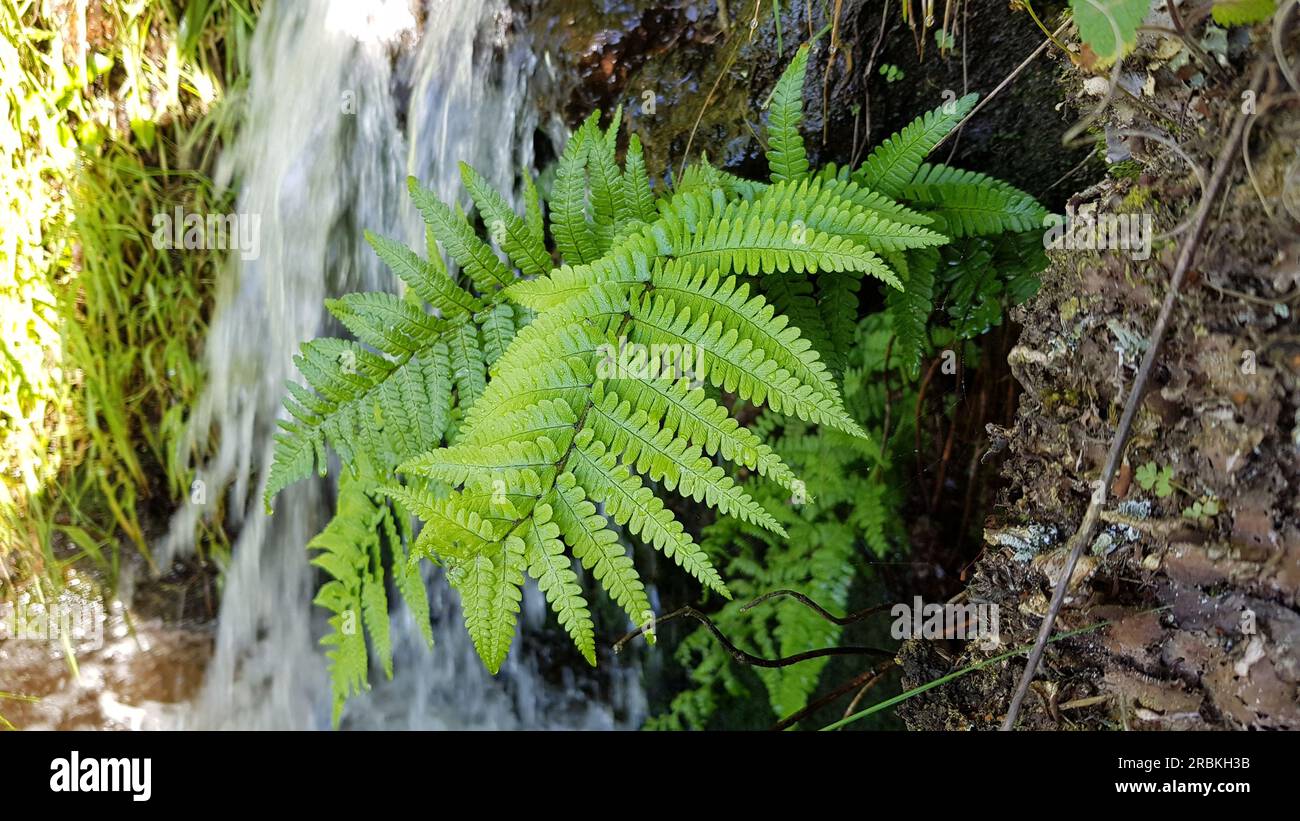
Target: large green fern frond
x=502, y=402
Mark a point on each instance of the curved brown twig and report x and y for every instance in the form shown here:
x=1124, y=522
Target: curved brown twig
x=817, y=608
x=864, y=680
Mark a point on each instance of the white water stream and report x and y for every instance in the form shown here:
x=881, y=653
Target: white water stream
x=321, y=156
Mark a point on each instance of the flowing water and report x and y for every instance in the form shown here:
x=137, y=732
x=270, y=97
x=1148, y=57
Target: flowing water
x=346, y=100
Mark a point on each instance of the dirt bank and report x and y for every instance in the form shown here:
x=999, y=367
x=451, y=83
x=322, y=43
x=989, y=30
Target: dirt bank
x=1197, y=561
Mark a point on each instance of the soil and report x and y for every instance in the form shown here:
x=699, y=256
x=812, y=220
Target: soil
x=1204, y=631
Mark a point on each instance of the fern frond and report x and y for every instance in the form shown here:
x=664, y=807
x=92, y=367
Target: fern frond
x=969, y=205
x=635, y=506
x=504, y=410
x=755, y=245
x=349, y=552
x=474, y=256
x=792, y=295
x=753, y=320
x=496, y=330
x=468, y=368
x=909, y=309
x=691, y=415
x=489, y=583
x=525, y=245
x=588, y=535
x=827, y=210
x=607, y=201
x=893, y=163
x=785, y=153
x=557, y=581
x=520, y=467
x=568, y=205
x=655, y=452
x=387, y=322
x=637, y=195
x=734, y=364
x=429, y=280
x=837, y=300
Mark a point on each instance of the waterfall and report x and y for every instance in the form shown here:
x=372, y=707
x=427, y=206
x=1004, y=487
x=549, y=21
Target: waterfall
x=322, y=154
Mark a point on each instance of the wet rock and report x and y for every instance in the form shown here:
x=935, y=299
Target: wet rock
x=689, y=76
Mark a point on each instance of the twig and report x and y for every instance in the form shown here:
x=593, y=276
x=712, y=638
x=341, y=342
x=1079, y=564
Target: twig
x=1083, y=536
x=866, y=90
x=1002, y=85
x=817, y=608
x=714, y=90
x=865, y=680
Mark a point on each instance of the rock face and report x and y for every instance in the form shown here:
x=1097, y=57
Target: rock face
x=1202, y=521
x=687, y=75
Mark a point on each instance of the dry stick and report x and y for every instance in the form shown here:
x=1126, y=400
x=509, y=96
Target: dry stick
x=866, y=688
x=1084, y=534
x=714, y=89
x=864, y=680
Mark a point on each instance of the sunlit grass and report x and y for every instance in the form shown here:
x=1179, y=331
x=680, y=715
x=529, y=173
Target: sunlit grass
x=106, y=119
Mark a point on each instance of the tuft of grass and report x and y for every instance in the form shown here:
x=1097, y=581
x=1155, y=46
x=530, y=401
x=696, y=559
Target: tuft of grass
x=111, y=113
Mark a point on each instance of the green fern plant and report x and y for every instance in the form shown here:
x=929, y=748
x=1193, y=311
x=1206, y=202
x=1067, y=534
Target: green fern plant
x=952, y=294
x=508, y=424
x=857, y=515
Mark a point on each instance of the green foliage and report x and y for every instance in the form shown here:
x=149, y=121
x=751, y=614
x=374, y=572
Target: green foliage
x=351, y=555
x=110, y=113
x=953, y=238
x=562, y=407
x=1159, y=480
x=1242, y=12
x=1109, y=27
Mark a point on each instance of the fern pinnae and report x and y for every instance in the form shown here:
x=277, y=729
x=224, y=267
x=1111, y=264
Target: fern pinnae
x=892, y=164
x=691, y=415
x=598, y=549
x=474, y=256
x=568, y=204
x=490, y=585
x=661, y=456
x=384, y=321
x=468, y=367
x=909, y=309
x=637, y=193
x=630, y=503
x=786, y=156
x=522, y=243
x=428, y=279
x=753, y=318
x=733, y=363
x=496, y=330
x=549, y=566
x=607, y=200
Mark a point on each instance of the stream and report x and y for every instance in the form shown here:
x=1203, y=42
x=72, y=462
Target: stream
x=344, y=103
